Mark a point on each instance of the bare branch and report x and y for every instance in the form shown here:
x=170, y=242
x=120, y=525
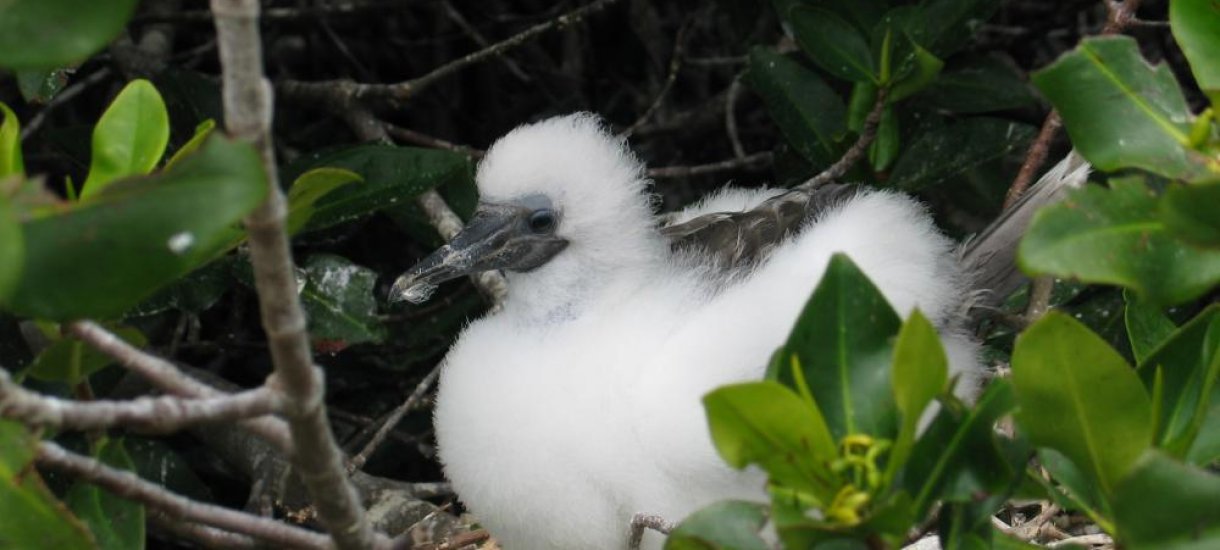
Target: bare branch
x=357, y=462
x=248, y=110
x=757, y=160
x=169, y=378
x=675, y=64
x=868, y=132
x=147, y=414
x=417, y=138
x=128, y=485
x=344, y=92
x=730, y=116
x=209, y=537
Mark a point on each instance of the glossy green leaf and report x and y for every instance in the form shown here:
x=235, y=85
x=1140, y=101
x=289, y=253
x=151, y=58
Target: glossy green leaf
x=39, y=34
x=11, y=162
x=392, y=175
x=101, y=257
x=1206, y=447
x=809, y=113
x=1147, y=326
x=978, y=85
x=202, y=131
x=1165, y=504
x=129, y=139
x=918, y=373
x=948, y=151
x=339, y=303
x=957, y=458
x=116, y=522
x=1115, y=236
x=71, y=361
x=1183, y=371
x=197, y=291
x=844, y=342
x=1196, y=28
x=30, y=516
x=834, y=44
x=1120, y=111
x=12, y=249
x=728, y=525
x=767, y=424
x=42, y=85
x=1192, y=213
x=1076, y=395
x=948, y=25
x=311, y=186
x=884, y=149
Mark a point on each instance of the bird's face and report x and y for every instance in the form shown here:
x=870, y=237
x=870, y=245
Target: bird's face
x=515, y=235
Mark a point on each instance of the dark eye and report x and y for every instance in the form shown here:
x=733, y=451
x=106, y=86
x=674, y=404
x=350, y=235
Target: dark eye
x=542, y=220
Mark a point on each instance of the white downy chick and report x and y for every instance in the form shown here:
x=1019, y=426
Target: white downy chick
x=577, y=405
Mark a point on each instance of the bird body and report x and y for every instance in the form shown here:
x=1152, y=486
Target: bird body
x=578, y=404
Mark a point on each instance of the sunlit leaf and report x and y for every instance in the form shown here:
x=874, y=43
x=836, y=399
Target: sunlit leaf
x=11, y=162
x=1116, y=236
x=1076, y=395
x=1120, y=111
x=311, y=186
x=202, y=131
x=919, y=373
x=129, y=139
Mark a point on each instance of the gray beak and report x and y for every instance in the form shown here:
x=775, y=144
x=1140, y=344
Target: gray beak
x=498, y=236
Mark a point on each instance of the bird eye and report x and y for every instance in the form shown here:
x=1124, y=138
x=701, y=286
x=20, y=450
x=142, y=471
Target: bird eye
x=542, y=221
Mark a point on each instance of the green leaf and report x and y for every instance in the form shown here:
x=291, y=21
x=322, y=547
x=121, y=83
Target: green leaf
x=834, y=44
x=1115, y=236
x=71, y=361
x=157, y=462
x=1073, y=489
x=202, y=131
x=947, y=151
x=12, y=249
x=807, y=111
x=41, y=85
x=1206, y=447
x=197, y=291
x=129, y=139
x=978, y=85
x=948, y=25
x=39, y=34
x=728, y=525
x=1192, y=212
x=1184, y=369
x=1120, y=111
x=843, y=341
x=923, y=70
x=1165, y=504
x=884, y=149
x=391, y=175
x=310, y=187
x=1078, y=396
x=339, y=303
x=1196, y=28
x=1147, y=326
x=99, y=258
x=10, y=144
x=918, y=373
x=116, y=522
x=30, y=517
x=767, y=424
x=957, y=458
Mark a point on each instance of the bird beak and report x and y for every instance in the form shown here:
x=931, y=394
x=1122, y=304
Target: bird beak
x=498, y=236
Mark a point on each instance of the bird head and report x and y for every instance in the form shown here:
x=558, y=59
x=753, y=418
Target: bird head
x=562, y=187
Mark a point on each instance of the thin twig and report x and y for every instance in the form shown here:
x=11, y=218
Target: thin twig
x=162, y=414
x=868, y=132
x=73, y=90
x=130, y=486
x=675, y=64
x=757, y=160
x=343, y=92
x=421, y=389
x=730, y=116
x=482, y=41
x=167, y=377
x=456, y=542
x=209, y=537
x=248, y=111
x=411, y=136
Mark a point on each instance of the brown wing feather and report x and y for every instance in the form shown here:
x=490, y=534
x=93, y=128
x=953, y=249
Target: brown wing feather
x=735, y=240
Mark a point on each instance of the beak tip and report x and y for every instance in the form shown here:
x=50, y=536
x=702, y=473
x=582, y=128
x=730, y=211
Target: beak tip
x=408, y=289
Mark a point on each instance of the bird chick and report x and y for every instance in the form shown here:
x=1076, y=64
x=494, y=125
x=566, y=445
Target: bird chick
x=577, y=404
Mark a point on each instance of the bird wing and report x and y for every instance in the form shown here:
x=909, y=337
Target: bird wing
x=732, y=241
